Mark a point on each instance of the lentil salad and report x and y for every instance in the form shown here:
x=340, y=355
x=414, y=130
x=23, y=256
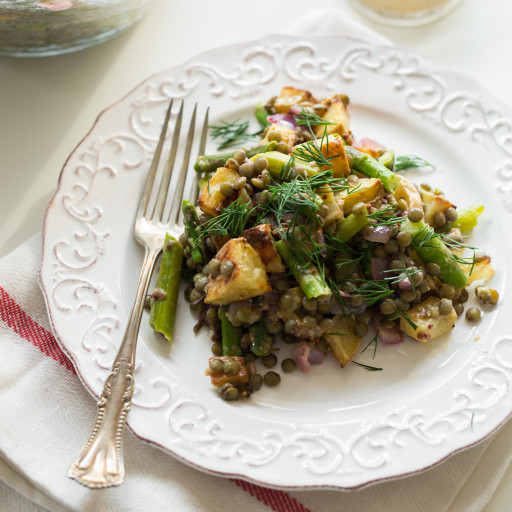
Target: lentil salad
x=313, y=237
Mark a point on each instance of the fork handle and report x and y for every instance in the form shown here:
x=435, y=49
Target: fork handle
x=100, y=463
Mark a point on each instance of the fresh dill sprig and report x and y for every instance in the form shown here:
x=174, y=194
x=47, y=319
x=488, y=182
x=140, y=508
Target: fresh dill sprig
x=311, y=152
x=309, y=119
x=336, y=295
x=336, y=245
x=423, y=237
x=373, y=340
x=230, y=133
x=368, y=367
x=230, y=222
x=286, y=170
x=372, y=292
x=411, y=161
x=326, y=179
x=456, y=245
x=396, y=278
x=386, y=216
x=406, y=317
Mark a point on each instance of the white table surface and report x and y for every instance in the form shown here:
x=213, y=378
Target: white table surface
x=47, y=105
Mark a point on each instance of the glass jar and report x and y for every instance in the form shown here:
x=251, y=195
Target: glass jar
x=405, y=12
x=30, y=28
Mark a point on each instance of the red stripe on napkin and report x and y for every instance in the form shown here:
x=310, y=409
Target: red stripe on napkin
x=31, y=331
x=278, y=501
x=16, y=319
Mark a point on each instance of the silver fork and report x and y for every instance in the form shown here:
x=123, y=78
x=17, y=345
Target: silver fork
x=100, y=463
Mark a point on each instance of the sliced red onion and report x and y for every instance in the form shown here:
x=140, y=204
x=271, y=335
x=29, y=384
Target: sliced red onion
x=387, y=335
x=369, y=144
x=274, y=277
x=316, y=355
x=336, y=306
x=379, y=266
x=271, y=302
x=405, y=284
x=380, y=234
x=307, y=354
x=286, y=120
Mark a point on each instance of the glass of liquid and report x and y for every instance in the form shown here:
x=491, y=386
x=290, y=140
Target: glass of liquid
x=405, y=12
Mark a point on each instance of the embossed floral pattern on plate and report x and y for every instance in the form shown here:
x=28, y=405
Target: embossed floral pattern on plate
x=330, y=428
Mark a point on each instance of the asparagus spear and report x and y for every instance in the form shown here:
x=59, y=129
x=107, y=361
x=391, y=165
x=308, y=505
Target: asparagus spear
x=207, y=163
x=372, y=168
x=432, y=249
x=388, y=159
x=230, y=334
x=163, y=311
x=261, y=114
x=351, y=225
x=308, y=277
x=262, y=340
x=193, y=231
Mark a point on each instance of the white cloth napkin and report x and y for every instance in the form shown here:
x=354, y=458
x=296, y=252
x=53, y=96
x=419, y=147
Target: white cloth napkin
x=46, y=416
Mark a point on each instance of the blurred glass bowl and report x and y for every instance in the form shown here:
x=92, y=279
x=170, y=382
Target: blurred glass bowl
x=30, y=28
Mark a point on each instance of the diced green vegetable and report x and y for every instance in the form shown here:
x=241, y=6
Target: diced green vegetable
x=163, y=312
x=432, y=249
x=351, y=225
x=308, y=277
x=372, y=168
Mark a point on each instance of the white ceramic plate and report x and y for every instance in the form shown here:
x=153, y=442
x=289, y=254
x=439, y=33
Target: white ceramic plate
x=330, y=428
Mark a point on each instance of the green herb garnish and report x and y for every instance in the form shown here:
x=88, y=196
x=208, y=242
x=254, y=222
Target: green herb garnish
x=411, y=161
x=373, y=340
x=231, y=133
x=231, y=222
x=368, y=367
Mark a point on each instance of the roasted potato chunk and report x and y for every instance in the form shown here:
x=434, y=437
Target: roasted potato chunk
x=368, y=189
x=211, y=200
x=337, y=114
x=409, y=193
x=481, y=270
x=429, y=323
x=291, y=96
x=333, y=147
x=432, y=204
x=333, y=210
x=217, y=379
x=288, y=135
x=341, y=338
x=247, y=280
x=261, y=240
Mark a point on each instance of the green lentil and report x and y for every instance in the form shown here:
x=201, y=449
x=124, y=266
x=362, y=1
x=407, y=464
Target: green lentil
x=271, y=379
x=451, y=214
x=459, y=308
x=473, y=314
x=288, y=365
x=445, y=307
x=274, y=135
x=403, y=239
x=240, y=156
x=269, y=360
x=231, y=367
x=255, y=381
x=216, y=349
x=415, y=214
x=226, y=269
x=227, y=189
x=216, y=366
